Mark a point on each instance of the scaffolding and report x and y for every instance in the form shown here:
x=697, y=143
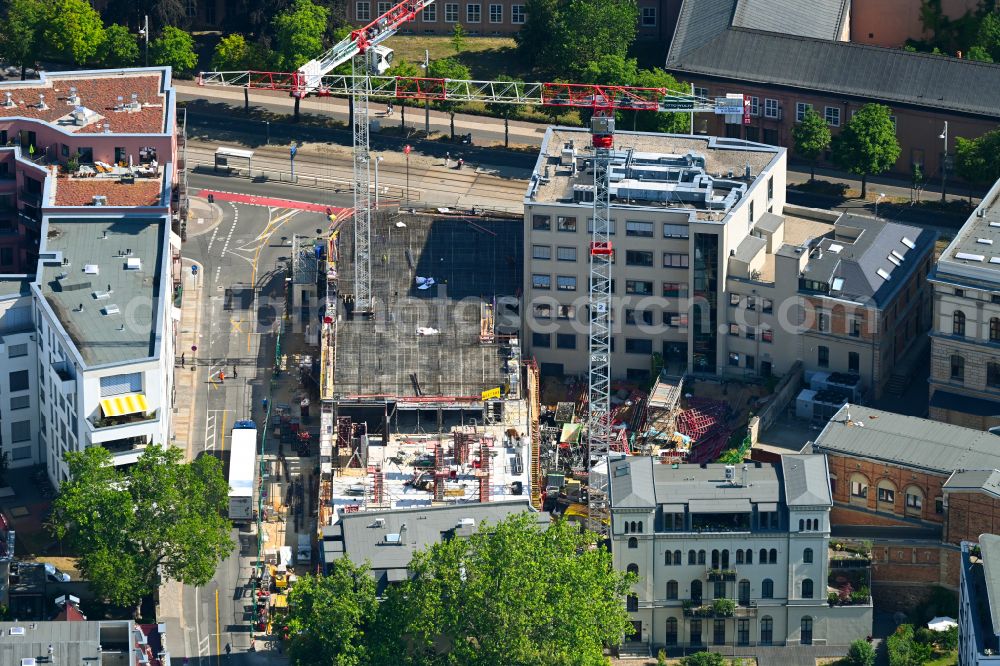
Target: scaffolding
x=484, y=471
x=534, y=425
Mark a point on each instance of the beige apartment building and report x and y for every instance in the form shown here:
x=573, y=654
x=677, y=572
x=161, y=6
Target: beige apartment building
x=965, y=339
x=711, y=271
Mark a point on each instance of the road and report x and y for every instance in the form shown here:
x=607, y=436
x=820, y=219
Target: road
x=242, y=263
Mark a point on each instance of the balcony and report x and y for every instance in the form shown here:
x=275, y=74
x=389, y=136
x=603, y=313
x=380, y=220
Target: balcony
x=747, y=610
x=67, y=380
x=126, y=450
x=728, y=575
x=101, y=422
x=719, y=608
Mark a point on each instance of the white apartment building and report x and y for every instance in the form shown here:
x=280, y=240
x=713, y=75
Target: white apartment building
x=756, y=534
x=978, y=599
x=19, y=422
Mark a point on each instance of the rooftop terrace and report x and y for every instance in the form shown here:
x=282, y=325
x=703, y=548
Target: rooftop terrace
x=106, y=95
x=103, y=284
x=81, y=192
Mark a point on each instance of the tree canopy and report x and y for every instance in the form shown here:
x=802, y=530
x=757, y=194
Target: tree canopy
x=174, y=47
x=72, y=31
x=811, y=138
x=20, y=39
x=562, y=36
x=120, y=48
x=510, y=594
x=867, y=145
x=298, y=34
x=231, y=53
x=127, y=524
x=449, y=68
x=977, y=160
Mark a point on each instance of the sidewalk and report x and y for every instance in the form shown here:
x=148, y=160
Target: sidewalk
x=185, y=377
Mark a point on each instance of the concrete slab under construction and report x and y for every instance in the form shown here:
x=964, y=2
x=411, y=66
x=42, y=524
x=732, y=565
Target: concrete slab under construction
x=436, y=279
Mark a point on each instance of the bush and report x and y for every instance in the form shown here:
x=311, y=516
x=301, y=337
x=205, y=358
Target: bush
x=704, y=659
x=948, y=639
x=925, y=636
x=900, y=646
x=724, y=607
x=861, y=653
x=661, y=657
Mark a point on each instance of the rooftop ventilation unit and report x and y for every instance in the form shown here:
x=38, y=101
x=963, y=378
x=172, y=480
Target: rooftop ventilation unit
x=28, y=661
x=42, y=106
x=134, y=105
x=967, y=256
x=835, y=248
x=466, y=522
x=99, y=200
x=392, y=538
x=101, y=295
x=379, y=522
x=92, y=269
x=110, y=310
x=8, y=102
x=133, y=264
x=73, y=98
x=984, y=241
x=16, y=631
x=995, y=260
x=908, y=243
x=897, y=255
x=883, y=274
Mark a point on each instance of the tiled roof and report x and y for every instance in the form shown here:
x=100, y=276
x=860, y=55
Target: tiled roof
x=98, y=94
x=822, y=19
x=81, y=191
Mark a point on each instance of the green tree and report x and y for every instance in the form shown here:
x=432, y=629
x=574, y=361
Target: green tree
x=120, y=47
x=175, y=48
x=977, y=161
x=73, y=31
x=449, y=68
x=21, y=37
x=811, y=137
x=128, y=524
x=704, y=659
x=562, y=36
x=331, y=616
x=980, y=54
x=406, y=70
x=508, y=87
x=867, y=145
x=231, y=53
x=298, y=34
x=458, y=38
x=657, y=121
x=511, y=594
x=987, y=38
x=861, y=653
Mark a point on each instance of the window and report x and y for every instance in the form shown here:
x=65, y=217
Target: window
x=807, y=556
x=612, y=226
x=675, y=230
x=771, y=108
x=16, y=351
x=451, y=12
x=19, y=381
x=632, y=569
x=958, y=323
x=957, y=368
x=807, y=589
x=960, y=292
x=541, y=252
x=674, y=289
x=635, y=317
x=695, y=632
x=772, y=556
x=430, y=14
x=766, y=335
x=566, y=311
x=701, y=559
x=632, y=603
x=743, y=595
x=701, y=92
x=831, y=115
x=749, y=556
x=993, y=374
x=675, y=320
x=691, y=557
x=566, y=341
x=640, y=287
x=20, y=402
x=914, y=499
x=734, y=359
x=766, y=630
x=823, y=357
x=541, y=281
x=995, y=329
x=859, y=487
x=564, y=223
x=638, y=258
x=823, y=321
x=6, y=256
x=668, y=558
x=383, y=7
x=767, y=588
x=517, y=14
x=750, y=362
x=743, y=631
x=20, y=431
x=496, y=13
x=21, y=453
x=770, y=185
x=541, y=340
x=566, y=253
x=886, y=493
x=755, y=107
x=719, y=631
x=540, y=222
x=750, y=215
x=892, y=119
x=800, y=111
x=641, y=229
x=734, y=330
x=649, y=17
x=806, y=637
x=638, y=346
x=473, y=12
x=566, y=283
x=671, y=589
x=676, y=260
x=363, y=11
x=853, y=362
x=633, y=542
x=939, y=506
x=671, y=637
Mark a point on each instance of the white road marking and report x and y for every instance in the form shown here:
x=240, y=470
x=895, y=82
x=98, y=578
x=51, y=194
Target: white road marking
x=229, y=236
x=212, y=239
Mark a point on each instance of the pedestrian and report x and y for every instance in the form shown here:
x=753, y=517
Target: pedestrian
x=222, y=376
x=447, y=159
x=460, y=162
x=234, y=371
x=229, y=649
x=182, y=359
x=263, y=403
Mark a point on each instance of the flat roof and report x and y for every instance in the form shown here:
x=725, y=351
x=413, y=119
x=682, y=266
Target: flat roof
x=974, y=253
x=98, y=91
x=81, y=191
x=430, y=345
x=989, y=545
x=98, y=277
x=14, y=285
x=649, y=152
x=72, y=642
x=907, y=440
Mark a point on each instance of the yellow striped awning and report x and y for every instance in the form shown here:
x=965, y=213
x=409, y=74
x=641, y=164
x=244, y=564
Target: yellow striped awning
x=119, y=405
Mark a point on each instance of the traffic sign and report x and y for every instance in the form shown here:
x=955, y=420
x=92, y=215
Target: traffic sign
x=677, y=104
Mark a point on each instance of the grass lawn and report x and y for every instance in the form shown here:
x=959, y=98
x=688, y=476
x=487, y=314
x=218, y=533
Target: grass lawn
x=949, y=659
x=486, y=57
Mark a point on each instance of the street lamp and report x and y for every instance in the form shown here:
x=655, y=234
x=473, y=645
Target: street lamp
x=144, y=33
x=378, y=158
x=427, y=103
x=881, y=195
x=406, y=151
x=944, y=160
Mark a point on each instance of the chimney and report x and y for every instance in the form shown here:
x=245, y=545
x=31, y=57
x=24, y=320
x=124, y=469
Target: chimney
x=42, y=106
